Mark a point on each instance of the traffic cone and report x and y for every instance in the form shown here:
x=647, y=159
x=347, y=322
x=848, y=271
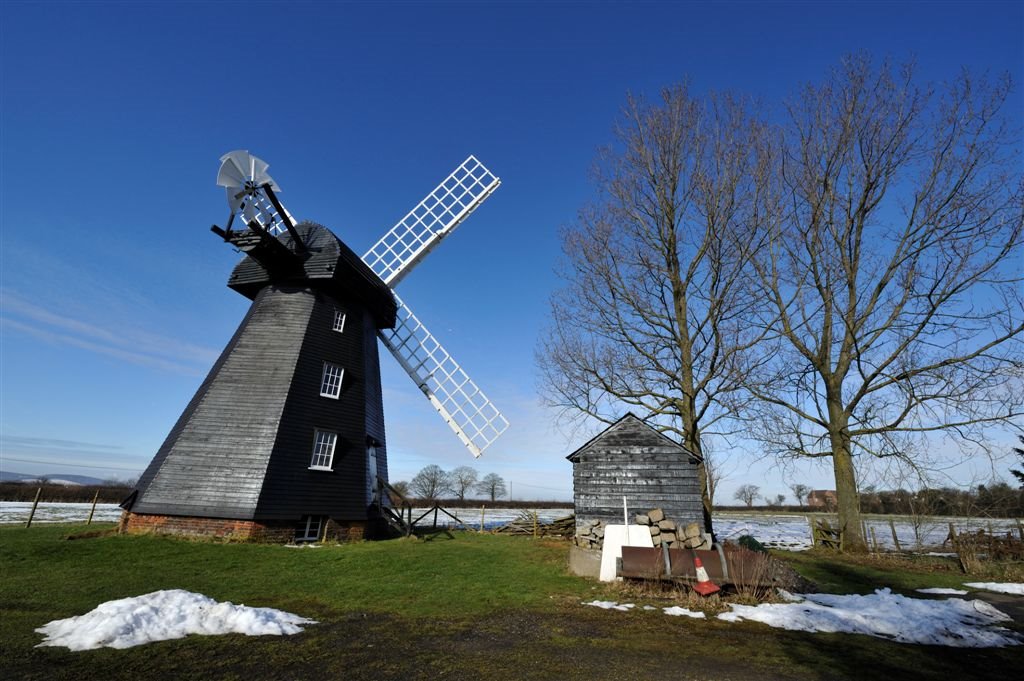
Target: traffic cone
x=704, y=585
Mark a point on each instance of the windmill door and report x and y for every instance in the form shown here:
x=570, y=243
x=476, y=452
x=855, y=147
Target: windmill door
x=371, y=472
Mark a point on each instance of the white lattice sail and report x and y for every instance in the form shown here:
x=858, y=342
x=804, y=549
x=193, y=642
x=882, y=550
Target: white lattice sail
x=463, y=406
x=434, y=218
x=257, y=206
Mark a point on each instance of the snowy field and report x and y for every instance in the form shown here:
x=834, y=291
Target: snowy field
x=491, y=518
x=793, y=532
x=17, y=512
x=782, y=531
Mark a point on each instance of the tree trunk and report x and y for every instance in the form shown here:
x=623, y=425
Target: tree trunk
x=847, y=501
x=692, y=443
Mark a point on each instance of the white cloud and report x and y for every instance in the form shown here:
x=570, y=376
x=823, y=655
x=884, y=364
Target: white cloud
x=133, y=345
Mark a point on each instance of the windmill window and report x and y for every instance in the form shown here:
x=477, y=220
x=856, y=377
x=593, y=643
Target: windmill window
x=309, y=528
x=330, y=384
x=323, y=450
x=339, y=321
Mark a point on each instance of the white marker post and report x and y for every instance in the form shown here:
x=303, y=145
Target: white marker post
x=625, y=518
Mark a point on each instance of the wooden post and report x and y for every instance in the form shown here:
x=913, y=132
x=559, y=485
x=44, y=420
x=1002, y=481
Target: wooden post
x=814, y=538
x=1020, y=529
x=32, y=513
x=482, y=518
x=534, y=524
x=93, y=509
x=895, y=539
x=874, y=539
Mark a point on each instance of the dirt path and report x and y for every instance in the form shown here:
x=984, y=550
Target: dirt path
x=593, y=645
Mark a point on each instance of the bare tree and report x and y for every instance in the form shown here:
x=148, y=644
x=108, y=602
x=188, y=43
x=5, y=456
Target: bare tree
x=714, y=469
x=747, y=494
x=399, y=489
x=492, y=486
x=430, y=483
x=892, y=272
x=462, y=480
x=800, y=492
x=652, y=314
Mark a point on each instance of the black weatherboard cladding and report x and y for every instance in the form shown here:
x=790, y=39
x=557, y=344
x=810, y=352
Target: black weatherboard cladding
x=291, y=489
x=630, y=459
x=327, y=264
x=214, y=460
x=243, y=447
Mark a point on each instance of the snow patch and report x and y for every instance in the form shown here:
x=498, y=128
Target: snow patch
x=949, y=622
x=611, y=605
x=1001, y=587
x=942, y=590
x=676, y=611
x=164, y=615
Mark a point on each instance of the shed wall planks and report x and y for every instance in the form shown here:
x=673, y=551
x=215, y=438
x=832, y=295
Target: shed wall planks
x=630, y=459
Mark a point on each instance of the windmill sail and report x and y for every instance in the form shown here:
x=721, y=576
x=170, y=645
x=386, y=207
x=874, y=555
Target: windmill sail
x=463, y=406
x=434, y=218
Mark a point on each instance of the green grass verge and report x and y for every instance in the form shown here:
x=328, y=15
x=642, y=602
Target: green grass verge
x=477, y=607
x=903, y=573
x=471, y=575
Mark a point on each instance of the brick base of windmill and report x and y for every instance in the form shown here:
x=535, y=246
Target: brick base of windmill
x=268, y=531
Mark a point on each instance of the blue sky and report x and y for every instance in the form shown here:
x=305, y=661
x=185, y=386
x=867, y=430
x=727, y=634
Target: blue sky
x=113, y=116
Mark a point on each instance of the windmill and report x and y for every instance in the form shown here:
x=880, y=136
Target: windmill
x=285, y=436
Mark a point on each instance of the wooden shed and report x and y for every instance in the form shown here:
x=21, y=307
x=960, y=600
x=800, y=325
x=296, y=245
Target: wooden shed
x=633, y=460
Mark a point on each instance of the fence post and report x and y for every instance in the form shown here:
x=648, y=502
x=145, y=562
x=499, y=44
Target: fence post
x=874, y=539
x=32, y=513
x=1020, y=529
x=535, y=525
x=93, y=509
x=482, y=508
x=810, y=521
x=895, y=539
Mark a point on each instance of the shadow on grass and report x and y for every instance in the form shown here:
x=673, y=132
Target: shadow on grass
x=853, y=656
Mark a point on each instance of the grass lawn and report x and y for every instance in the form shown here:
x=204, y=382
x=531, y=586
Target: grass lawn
x=477, y=607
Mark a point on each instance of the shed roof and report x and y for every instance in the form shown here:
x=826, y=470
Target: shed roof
x=647, y=435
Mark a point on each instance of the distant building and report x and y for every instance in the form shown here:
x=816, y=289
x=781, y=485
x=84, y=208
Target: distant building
x=822, y=498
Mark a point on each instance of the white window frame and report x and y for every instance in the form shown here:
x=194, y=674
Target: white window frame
x=330, y=380
x=308, y=523
x=324, y=443
x=339, y=321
